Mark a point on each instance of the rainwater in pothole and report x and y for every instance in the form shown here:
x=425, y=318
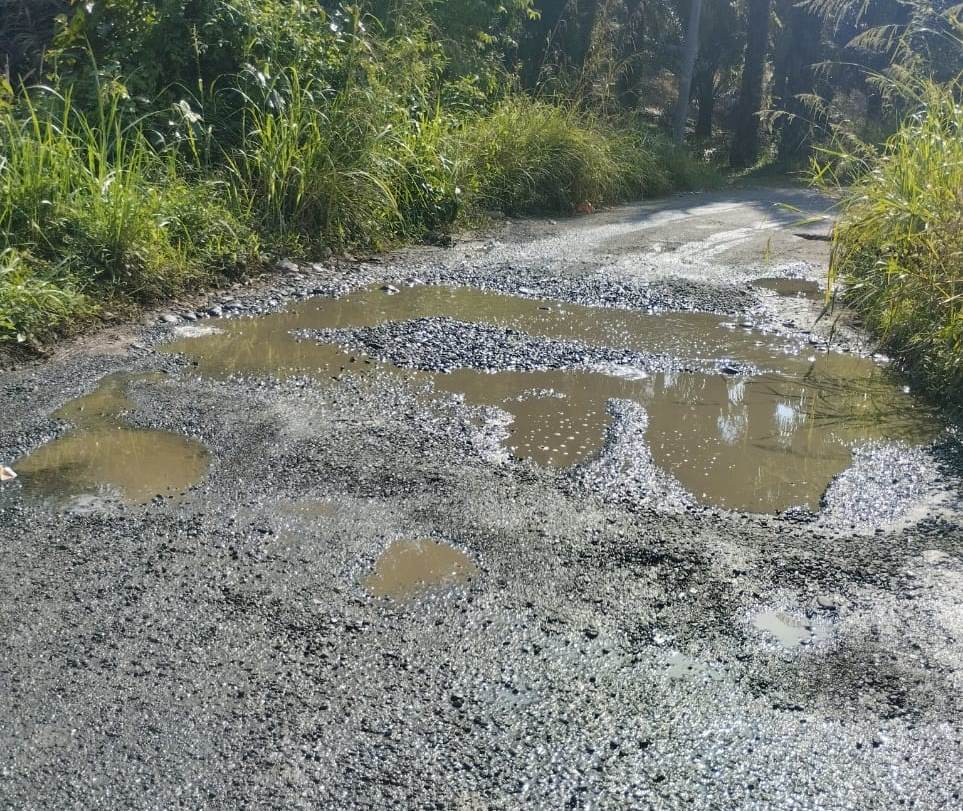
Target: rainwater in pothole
x=791, y=288
x=266, y=344
x=409, y=567
x=761, y=443
x=104, y=458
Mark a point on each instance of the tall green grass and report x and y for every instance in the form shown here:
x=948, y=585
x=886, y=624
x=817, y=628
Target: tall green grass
x=35, y=299
x=342, y=168
x=898, y=246
x=530, y=155
x=90, y=208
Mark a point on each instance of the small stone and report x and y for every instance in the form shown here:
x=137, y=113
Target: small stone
x=390, y=289
x=826, y=602
x=457, y=701
x=169, y=318
x=190, y=316
x=217, y=311
x=7, y=474
x=286, y=266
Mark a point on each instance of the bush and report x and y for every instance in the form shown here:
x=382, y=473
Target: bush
x=898, y=246
x=338, y=168
x=531, y=155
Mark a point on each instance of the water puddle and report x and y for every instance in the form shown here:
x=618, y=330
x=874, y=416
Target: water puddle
x=793, y=288
x=408, y=568
x=265, y=345
x=103, y=458
x=763, y=442
x=787, y=630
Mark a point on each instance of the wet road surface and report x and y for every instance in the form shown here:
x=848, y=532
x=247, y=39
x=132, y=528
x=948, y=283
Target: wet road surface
x=479, y=528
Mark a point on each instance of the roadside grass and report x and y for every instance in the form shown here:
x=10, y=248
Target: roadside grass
x=898, y=246
x=89, y=209
x=339, y=169
x=529, y=155
x=35, y=299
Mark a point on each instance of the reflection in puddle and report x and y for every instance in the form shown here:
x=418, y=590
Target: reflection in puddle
x=788, y=631
x=761, y=443
x=802, y=288
x=408, y=568
x=103, y=457
x=265, y=345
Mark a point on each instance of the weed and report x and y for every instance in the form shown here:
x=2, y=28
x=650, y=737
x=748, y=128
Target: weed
x=898, y=246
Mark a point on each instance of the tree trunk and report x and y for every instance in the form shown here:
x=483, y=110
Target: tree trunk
x=632, y=42
x=689, y=54
x=745, y=138
x=798, y=52
x=539, y=38
x=706, y=94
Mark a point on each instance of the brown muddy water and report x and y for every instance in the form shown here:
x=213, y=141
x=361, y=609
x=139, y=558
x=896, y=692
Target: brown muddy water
x=102, y=457
x=265, y=345
x=793, y=288
x=408, y=568
x=759, y=443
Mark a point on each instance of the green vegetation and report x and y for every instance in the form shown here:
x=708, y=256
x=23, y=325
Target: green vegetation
x=898, y=246
x=89, y=207
x=528, y=155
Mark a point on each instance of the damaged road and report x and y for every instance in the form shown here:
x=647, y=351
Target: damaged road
x=426, y=537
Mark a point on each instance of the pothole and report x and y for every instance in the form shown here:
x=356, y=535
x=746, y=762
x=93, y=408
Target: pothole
x=104, y=458
x=267, y=344
x=410, y=567
x=790, y=288
x=742, y=418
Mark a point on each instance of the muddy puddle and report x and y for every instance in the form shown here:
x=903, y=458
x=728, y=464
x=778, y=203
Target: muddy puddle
x=761, y=443
x=790, y=288
x=266, y=345
x=104, y=458
x=408, y=568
